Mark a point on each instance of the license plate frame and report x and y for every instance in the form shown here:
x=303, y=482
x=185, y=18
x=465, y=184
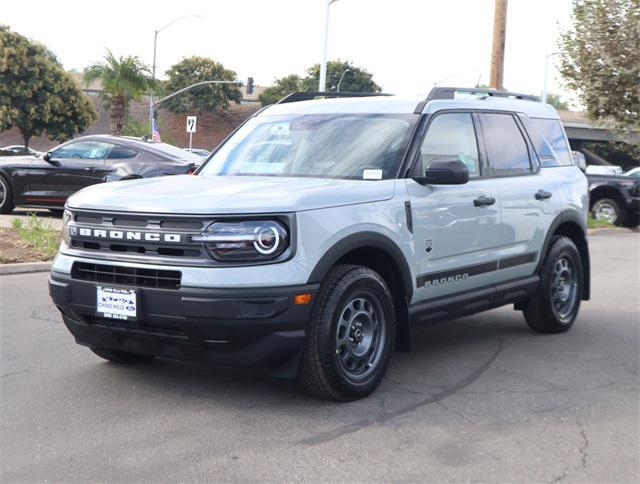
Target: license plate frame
x=117, y=303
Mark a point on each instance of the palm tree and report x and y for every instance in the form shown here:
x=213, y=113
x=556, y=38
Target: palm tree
x=123, y=79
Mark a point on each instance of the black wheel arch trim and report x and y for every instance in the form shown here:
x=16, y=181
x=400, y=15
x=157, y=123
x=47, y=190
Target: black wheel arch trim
x=575, y=217
x=362, y=240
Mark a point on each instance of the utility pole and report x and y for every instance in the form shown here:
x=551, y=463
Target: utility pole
x=497, y=51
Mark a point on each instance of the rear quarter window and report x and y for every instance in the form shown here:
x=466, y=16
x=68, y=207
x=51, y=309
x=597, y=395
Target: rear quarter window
x=548, y=134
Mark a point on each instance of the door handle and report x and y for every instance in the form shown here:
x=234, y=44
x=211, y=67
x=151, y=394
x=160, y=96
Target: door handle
x=542, y=195
x=483, y=201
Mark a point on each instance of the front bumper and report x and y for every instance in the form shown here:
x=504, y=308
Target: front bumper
x=240, y=327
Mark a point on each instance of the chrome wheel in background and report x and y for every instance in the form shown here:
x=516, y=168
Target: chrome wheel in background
x=605, y=211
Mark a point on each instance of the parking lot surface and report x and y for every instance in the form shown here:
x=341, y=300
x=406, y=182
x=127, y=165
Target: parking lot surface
x=480, y=398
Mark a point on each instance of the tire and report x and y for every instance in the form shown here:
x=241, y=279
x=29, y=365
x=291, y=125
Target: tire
x=350, y=335
x=6, y=196
x=120, y=356
x=556, y=305
x=607, y=210
x=632, y=220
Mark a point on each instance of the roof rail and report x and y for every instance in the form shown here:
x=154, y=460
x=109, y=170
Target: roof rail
x=309, y=95
x=450, y=93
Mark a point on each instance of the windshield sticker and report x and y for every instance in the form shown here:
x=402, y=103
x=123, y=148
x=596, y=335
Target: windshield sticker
x=372, y=175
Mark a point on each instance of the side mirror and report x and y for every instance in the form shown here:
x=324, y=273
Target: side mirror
x=47, y=156
x=445, y=171
x=579, y=160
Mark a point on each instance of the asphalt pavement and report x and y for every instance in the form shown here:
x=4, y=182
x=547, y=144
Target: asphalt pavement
x=479, y=399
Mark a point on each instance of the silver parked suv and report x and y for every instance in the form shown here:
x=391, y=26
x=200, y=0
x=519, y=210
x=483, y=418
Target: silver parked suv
x=321, y=231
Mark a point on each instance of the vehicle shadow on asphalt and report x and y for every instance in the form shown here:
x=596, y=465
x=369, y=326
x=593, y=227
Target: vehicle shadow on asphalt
x=444, y=357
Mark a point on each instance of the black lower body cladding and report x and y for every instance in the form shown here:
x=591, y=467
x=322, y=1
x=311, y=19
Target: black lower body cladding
x=254, y=327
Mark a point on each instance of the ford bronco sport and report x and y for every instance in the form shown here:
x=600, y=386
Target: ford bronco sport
x=320, y=232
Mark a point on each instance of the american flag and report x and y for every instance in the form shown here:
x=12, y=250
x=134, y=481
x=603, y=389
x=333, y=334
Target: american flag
x=155, y=133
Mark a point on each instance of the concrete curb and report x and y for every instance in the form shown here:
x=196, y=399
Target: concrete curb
x=24, y=268
x=613, y=230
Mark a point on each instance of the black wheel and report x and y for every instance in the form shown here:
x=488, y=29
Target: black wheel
x=120, y=356
x=350, y=335
x=6, y=196
x=607, y=210
x=555, y=307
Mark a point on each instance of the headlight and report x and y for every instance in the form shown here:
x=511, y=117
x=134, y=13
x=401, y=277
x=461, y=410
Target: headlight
x=245, y=241
x=66, y=218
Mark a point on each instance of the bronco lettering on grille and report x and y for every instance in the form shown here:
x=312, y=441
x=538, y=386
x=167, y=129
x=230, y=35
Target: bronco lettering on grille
x=124, y=235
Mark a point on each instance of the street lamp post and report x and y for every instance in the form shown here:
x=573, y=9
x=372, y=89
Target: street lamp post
x=547, y=58
x=323, y=65
x=153, y=68
x=342, y=77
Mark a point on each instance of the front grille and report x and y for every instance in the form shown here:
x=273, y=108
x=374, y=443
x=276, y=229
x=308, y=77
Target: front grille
x=126, y=276
x=184, y=226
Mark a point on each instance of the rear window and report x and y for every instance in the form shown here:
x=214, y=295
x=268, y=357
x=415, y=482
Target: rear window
x=549, y=132
x=121, y=153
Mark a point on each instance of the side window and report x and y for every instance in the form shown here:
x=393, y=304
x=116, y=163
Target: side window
x=121, y=153
x=451, y=135
x=507, y=150
x=84, y=150
x=552, y=132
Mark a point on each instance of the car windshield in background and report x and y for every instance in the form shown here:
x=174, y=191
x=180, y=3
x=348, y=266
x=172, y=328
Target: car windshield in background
x=354, y=146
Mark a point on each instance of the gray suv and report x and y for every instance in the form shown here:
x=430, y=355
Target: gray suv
x=319, y=233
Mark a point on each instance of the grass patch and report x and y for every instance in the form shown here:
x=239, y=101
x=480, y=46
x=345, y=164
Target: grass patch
x=598, y=224
x=38, y=235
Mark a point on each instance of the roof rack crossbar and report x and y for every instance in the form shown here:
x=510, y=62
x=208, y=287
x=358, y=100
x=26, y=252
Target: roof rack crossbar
x=309, y=95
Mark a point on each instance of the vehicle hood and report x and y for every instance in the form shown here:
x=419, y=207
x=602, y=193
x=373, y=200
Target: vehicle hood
x=186, y=194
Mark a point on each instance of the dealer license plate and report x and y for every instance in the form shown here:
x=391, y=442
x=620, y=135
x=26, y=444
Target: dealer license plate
x=116, y=303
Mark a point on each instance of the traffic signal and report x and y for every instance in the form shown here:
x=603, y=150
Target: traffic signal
x=250, y=85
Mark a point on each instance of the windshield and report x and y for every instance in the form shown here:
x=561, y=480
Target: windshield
x=355, y=146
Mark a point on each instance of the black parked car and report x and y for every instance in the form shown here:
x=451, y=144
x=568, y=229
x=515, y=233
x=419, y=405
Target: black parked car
x=615, y=199
x=47, y=181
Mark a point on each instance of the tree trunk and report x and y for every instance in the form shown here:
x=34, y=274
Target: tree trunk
x=118, y=113
x=26, y=137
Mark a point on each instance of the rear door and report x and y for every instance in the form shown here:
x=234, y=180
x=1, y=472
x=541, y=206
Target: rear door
x=72, y=166
x=456, y=227
x=528, y=196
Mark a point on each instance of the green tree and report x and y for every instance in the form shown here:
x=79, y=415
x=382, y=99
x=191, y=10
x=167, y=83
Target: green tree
x=36, y=94
x=556, y=102
x=202, y=98
x=602, y=61
x=281, y=87
x=356, y=79
x=123, y=79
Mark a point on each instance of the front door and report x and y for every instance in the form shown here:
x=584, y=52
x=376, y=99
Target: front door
x=456, y=227
x=72, y=166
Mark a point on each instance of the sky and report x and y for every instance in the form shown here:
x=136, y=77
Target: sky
x=408, y=45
